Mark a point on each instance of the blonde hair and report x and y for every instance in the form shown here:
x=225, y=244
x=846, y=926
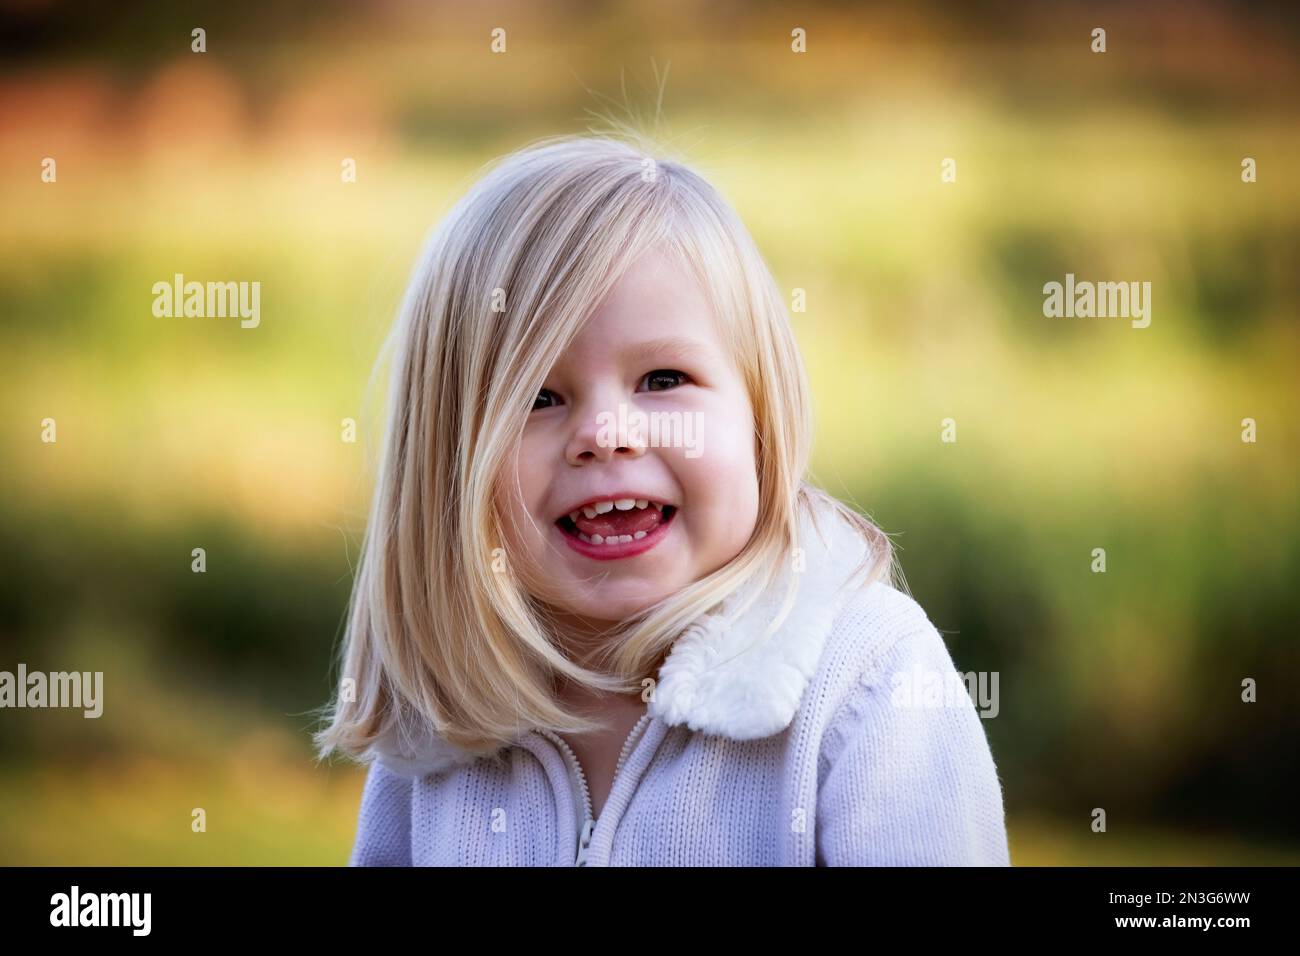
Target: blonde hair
x=436, y=638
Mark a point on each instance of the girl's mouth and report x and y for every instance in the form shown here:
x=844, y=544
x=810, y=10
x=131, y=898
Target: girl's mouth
x=616, y=528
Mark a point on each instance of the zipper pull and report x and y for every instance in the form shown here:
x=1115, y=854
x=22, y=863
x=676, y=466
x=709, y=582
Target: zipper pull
x=584, y=840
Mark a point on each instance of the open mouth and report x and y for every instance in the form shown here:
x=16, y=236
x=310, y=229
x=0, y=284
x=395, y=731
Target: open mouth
x=616, y=527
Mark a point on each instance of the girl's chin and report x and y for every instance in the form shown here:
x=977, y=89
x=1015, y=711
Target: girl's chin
x=605, y=610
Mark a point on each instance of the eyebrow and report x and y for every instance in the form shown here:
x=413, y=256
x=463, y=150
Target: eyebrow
x=669, y=347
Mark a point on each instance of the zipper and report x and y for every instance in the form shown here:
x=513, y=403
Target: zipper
x=589, y=818
x=628, y=744
x=584, y=841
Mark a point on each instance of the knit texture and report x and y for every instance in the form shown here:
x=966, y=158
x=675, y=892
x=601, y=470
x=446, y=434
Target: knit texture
x=861, y=775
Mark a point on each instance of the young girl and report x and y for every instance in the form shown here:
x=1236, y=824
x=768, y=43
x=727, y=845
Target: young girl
x=600, y=618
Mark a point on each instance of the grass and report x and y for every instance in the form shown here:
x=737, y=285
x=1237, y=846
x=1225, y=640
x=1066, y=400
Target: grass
x=139, y=811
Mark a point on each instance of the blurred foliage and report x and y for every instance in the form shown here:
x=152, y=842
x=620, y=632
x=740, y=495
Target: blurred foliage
x=925, y=302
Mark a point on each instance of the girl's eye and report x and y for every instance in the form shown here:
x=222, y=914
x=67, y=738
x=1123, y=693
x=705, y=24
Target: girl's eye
x=662, y=379
x=542, y=399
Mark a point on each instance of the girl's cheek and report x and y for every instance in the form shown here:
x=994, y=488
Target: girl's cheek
x=729, y=438
x=517, y=519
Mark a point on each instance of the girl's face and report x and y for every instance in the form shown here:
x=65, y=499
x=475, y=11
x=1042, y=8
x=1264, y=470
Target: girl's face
x=636, y=473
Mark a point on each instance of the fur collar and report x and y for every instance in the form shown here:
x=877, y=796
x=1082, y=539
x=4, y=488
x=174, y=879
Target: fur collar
x=722, y=676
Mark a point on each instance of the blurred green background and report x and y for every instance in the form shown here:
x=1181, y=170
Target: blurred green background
x=1118, y=690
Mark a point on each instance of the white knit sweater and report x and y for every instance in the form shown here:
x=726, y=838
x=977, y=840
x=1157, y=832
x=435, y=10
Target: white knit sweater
x=800, y=749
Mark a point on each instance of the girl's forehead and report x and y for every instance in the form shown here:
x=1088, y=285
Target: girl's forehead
x=655, y=298
x=659, y=328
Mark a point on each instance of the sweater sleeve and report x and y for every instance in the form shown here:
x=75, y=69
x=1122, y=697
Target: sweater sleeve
x=384, y=823
x=908, y=777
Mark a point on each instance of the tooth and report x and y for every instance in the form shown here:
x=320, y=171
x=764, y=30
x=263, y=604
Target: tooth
x=639, y=535
x=642, y=503
x=597, y=539
x=589, y=511
x=603, y=506
x=624, y=539
x=625, y=504
x=584, y=537
x=573, y=515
